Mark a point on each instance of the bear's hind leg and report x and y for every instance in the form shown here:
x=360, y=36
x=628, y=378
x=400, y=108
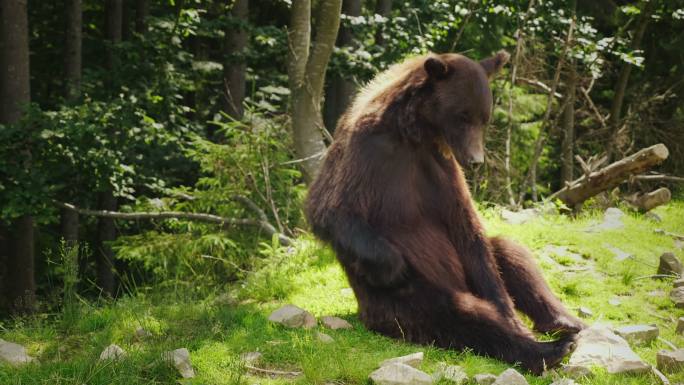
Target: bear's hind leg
x=482, y=328
x=531, y=295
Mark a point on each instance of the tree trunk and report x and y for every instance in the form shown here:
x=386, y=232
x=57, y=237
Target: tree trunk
x=568, y=143
x=113, y=15
x=4, y=250
x=234, y=65
x=69, y=223
x=341, y=90
x=384, y=9
x=15, y=94
x=72, y=49
x=142, y=7
x=106, y=233
x=306, y=72
x=612, y=175
x=623, y=80
x=651, y=200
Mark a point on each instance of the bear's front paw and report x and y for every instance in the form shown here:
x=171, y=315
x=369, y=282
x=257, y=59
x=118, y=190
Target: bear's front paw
x=386, y=270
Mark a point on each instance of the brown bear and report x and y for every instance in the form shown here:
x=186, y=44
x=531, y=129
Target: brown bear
x=392, y=200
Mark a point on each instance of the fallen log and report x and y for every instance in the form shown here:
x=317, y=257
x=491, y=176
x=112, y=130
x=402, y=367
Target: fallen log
x=611, y=176
x=649, y=201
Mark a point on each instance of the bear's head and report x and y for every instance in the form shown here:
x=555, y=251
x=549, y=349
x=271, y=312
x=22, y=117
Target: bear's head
x=460, y=102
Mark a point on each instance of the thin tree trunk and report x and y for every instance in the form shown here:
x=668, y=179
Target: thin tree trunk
x=509, y=126
x=306, y=72
x=341, y=89
x=568, y=143
x=113, y=15
x=142, y=8
x=531, y=177
x=4, y=251
x=126, y=20
x=234, y=65
x=384, y=9
x=623, y=80
x=69, y=223
x=104, y=255
x=15, y=94
x=72, y=48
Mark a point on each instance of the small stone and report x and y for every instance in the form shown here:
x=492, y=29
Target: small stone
x=670, y=264
x=322, y=337
x=677, y=296
x=519, y=217
x=656, y=293
x=13, y=354
x=484, y=379
x=335, y=323
x=618, y=254
x=599, y=346
x=347, y=292
x=585, y=312
x=414, y=360
x=293, y=317
x=112, y=352
x=612, y=220
x=564, y=381
x=615, y=301
x=680, y=325
x=141, y=333
x=640, y=334
x=510, y=377
x=251, y=358
x=669, y=361
x=679, y=244
x=399, y=374
x=180, y=358
x=451, y=373
x=577, y=371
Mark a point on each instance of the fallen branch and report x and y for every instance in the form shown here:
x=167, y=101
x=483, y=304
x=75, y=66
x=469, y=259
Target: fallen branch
x=611, y=176
x=649, y=201
x=540, y=85
x=658, y=177
x=273, y=372
x=673, y=235
x=224, y=222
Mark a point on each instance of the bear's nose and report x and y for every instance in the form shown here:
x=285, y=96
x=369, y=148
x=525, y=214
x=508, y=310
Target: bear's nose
x=477, y=158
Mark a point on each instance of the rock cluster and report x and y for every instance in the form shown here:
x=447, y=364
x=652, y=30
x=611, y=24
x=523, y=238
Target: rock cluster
x=13, y=354
x=293, y=317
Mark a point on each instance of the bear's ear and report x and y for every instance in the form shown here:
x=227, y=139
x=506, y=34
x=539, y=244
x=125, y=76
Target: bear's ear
x=494, y=64
x=435, y=67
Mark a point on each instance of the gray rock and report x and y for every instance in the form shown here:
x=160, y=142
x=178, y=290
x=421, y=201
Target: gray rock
x=335, y=323
x=680, y=325
x=293, y=317
x=519, y=217
x=577, y=371
x=612, y=220
x=13, y=354
x=414, y=360
x=669, y=361
x=615, y=301
x=679, y=244
x=399, y=374
x=322, y=337
x=640, y=334
x=670, y=264
x=677, y=296
x=451, y=373
x=112, y=352
x=656, y=293
x=598, y=346
x=564, y=381
x=141, y=333
x=619, y=255
x=251, y=358
x=180, y=359
x=510, y=377
x=585, y=312
x=484, y=379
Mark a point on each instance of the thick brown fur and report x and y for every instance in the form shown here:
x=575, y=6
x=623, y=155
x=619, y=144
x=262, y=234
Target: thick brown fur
x=392, y=200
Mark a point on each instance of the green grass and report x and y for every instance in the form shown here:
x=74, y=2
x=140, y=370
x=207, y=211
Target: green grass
x=217, y=331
